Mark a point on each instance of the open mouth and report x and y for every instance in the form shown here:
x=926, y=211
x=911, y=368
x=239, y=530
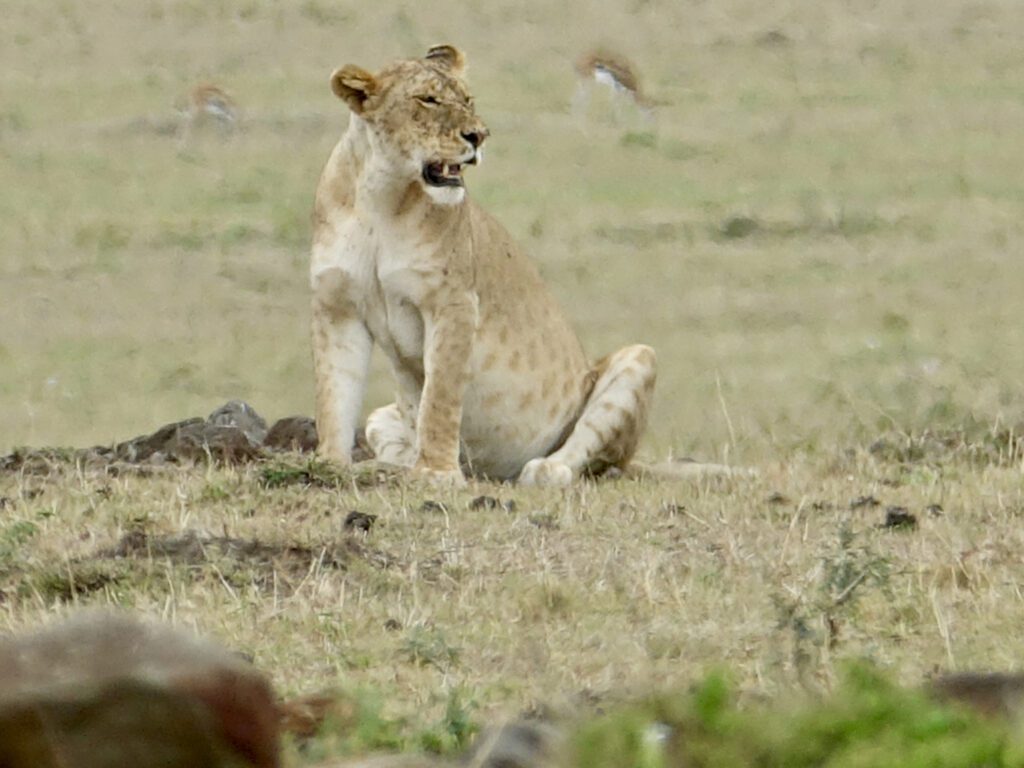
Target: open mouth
x=445, y=174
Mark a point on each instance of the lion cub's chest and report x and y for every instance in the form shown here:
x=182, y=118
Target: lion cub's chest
x=388, y=275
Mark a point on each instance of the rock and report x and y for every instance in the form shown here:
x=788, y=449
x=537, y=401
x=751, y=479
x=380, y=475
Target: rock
x=387, y=761
x=219, y=443
x=103, y=690
x=359, y=521
x=518, y=744
x=737, y=227
x=232, y=434
x=866, y=501
x=298, y=433
x=143, y=447
x=490, y=502
x=129, y=722
x=191, y=440
x=898, y=518
x=432, y=507
x=97, y=457
x=773, y=38
x=292, y=433
x=43, y=461
x=990, y=693
x=241, y=415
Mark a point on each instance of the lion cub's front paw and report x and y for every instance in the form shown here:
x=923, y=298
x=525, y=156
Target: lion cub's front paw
x=337, y=457
x=546, y=472
x=446, y=478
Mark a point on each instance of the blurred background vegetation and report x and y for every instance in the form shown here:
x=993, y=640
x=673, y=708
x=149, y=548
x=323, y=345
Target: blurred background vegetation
x=820, y=230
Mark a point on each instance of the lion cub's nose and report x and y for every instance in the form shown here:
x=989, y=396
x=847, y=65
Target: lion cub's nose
x=475, y=138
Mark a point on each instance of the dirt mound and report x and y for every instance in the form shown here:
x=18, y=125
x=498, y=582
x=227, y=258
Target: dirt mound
x=242, y=563
x=975, y=444
x=233, y=434
x=194, y=548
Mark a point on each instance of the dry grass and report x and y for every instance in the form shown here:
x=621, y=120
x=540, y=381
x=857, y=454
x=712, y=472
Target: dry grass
x=565, y=600
x=819, y=234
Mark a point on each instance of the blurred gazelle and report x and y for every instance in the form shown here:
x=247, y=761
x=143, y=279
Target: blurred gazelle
x=208, y=103
x=615, y=71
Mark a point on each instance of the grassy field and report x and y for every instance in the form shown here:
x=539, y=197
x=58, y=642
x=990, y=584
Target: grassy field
x=818, y=233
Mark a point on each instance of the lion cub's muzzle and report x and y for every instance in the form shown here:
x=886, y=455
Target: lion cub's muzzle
x=442, y=173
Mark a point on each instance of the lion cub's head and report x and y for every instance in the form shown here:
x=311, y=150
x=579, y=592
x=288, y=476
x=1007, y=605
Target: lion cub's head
x=418, y=113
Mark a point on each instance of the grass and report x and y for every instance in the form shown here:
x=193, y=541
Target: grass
x=818, y=234
x=866, y=722
x=559, y=602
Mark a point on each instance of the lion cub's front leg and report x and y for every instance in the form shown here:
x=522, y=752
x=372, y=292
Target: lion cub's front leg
x=341, y=359
x=449, y=330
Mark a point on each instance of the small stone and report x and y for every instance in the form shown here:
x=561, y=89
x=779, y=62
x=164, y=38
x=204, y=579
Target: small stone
x=738, y=227
x=899, y=518
x=773, y=38
x=517, y=744
x=991, y=694
x=484, y=502
x=490, y=502
x=864, y=501
x=359, y=521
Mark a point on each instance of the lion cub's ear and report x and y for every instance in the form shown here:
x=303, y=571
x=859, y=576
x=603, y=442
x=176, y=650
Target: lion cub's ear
x=354, y=86
x=449, y=56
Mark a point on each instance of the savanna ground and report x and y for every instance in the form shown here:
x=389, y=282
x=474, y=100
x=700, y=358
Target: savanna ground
x=820, y=233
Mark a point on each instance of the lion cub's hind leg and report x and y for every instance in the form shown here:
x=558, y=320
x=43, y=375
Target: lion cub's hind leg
x=392, y=436
x=611, y=424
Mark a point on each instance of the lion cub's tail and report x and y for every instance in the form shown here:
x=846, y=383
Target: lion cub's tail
x=686, y=469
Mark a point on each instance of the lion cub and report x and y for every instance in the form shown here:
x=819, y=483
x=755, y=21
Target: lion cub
x=491, y=379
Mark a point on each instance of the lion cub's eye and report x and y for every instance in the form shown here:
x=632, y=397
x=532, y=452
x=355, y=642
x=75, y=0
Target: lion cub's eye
x=428, y=101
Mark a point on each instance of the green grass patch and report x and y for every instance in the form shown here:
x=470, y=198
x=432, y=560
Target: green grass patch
x=867, y=722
